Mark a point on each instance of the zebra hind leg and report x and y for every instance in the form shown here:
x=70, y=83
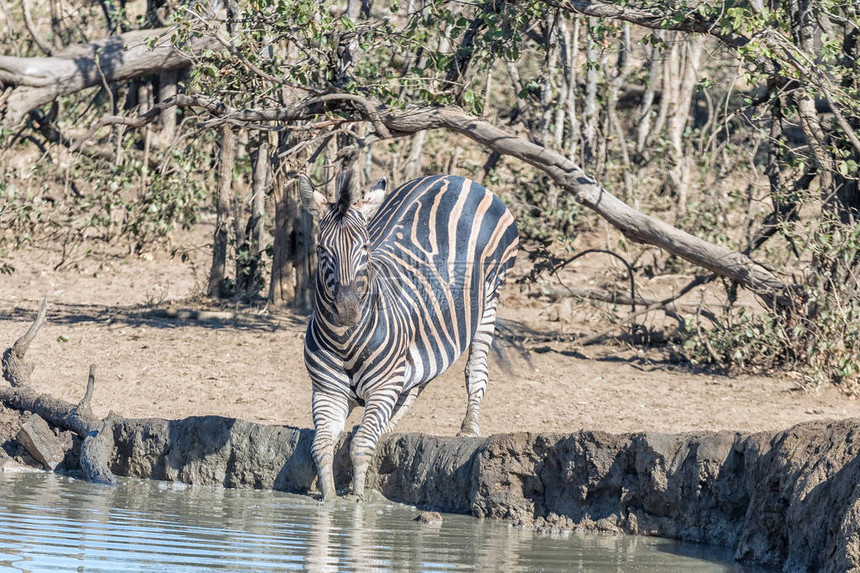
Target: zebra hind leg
x=403, y=403
x=477, y=371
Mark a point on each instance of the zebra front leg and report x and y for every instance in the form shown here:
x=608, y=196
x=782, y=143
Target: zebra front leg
x=477, y=370
x=330, y=411
x=377, y=413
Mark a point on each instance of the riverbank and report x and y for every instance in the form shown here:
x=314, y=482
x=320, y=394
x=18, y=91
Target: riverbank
x=786, y=499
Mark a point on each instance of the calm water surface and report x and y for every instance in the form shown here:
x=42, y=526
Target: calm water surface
x=51, y=522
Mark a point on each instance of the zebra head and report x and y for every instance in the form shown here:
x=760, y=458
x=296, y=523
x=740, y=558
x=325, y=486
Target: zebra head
x=343, y=245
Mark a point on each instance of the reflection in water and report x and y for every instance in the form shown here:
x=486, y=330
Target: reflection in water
x=52, y=522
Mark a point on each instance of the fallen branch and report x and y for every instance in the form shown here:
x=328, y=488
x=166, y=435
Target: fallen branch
x=97, y=434
x=561, y=265
x=603, y=295
x=16, y=370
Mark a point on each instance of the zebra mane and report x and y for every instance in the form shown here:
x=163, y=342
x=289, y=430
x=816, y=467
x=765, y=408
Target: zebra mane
x=344, y=192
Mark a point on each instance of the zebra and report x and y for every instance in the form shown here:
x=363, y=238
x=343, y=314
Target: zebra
x=399, y=296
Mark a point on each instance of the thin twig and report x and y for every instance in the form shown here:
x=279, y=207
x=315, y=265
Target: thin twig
x=704, y=339
x=34, y=33
x=556, y=268
x=258, y=71
x=297, y=111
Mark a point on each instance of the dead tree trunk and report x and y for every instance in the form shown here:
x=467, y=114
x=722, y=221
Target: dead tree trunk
x=679, y=115
x=548, y=92
x=413, y=163
x=167, y=88
x=282, y=284
x=249, y=278
x=292, y=272
x=589, y=112
x=643, y=126
x=217, y=272
x=612, y=120
x=570, y=51
x=668, y=87
x=292, y=263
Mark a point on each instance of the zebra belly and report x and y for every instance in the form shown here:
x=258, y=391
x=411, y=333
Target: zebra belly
x=420, y=371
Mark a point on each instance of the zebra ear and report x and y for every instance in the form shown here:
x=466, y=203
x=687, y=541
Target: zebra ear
x=314, y=201
x=368, y=204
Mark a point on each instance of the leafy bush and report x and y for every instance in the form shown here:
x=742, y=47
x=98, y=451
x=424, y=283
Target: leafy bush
x=820, y=336
x=104, y=201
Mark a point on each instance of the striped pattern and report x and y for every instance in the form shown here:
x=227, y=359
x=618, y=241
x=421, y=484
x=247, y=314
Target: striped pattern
x=398, y=300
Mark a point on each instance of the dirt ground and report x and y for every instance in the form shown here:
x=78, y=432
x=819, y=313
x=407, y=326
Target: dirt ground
x=245, y=361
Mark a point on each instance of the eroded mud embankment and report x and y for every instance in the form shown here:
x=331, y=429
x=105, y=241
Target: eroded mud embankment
x=788, y=499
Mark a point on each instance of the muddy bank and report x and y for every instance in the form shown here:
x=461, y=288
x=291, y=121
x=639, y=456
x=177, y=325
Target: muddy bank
x=788, y=499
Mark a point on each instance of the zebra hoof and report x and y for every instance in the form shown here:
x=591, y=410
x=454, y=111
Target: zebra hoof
x=467, y=434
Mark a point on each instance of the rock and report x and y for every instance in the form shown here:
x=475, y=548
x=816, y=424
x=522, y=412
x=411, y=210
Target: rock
x=429, y=517
x=38, y=439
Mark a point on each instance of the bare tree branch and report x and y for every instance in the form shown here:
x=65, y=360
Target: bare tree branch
x=809, y=70
x=39, y=81
x=663, y=19
x=636, y=226
x=34, y=32
x=304, y=109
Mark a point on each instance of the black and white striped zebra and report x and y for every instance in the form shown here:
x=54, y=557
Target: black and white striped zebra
x=399, y=297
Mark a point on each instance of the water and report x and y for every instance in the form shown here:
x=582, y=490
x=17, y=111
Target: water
x=50, y=522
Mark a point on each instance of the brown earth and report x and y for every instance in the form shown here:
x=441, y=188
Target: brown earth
x=245, y=361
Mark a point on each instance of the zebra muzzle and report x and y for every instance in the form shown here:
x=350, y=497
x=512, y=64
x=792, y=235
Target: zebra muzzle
x=347, y=305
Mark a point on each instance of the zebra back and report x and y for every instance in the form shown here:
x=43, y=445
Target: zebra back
x=443, y=243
